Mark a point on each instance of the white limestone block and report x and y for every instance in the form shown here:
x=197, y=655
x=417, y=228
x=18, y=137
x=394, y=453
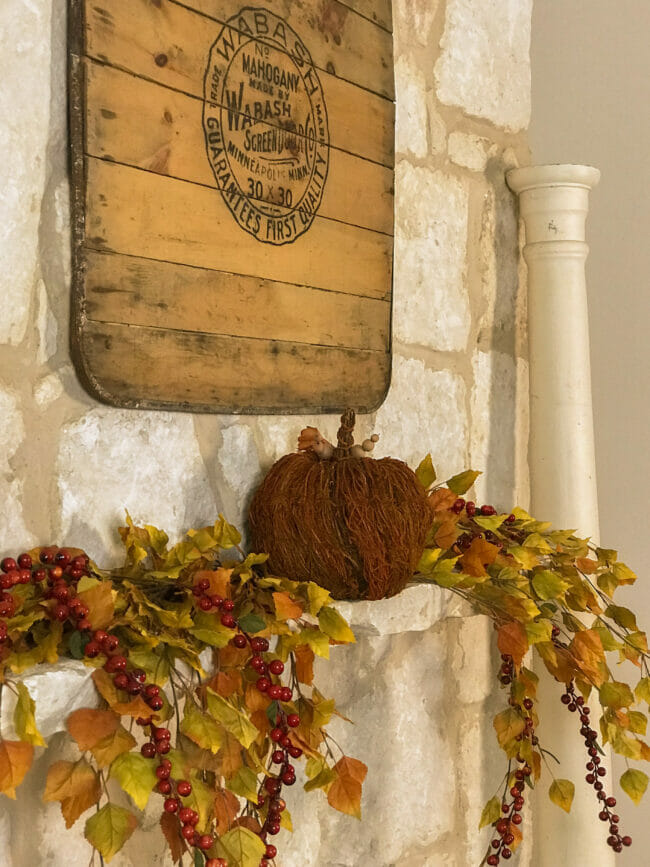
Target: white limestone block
x=13, y=531
x=47, y=390
x=412, y=20
x=146, y=462
x=484, y=64
x=411, y=108
x=437, y=129
x=424, y=412
x=431, y=303
x=470, y=151
x=24, y=109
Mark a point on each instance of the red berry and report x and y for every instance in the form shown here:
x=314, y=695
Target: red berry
x=626, y=841
x=205, y=603
x=488, y=510
x=263, y=683
x=148, y=750
x=274, y=692
x=516, y=819
x=24, y=576
x=276, y=667
x=9, y=564
x=155, y=703
x=171, y=805
x=276, y=735
x=61, y=613
x=188, y=832
x=288, y=778
x=163, y=772
x=286, y=694
x=293, y=720
x=239, y=641
x=84, y=625
x=92, y=649
x=151, y=690
x=257, y=663
x=274, y=828
x=121, y=680
x=493, y=860
x=271, y=851
x=272, y=785
x=100, y=636
x=511, y=519
x=228, y=605
x=611, y=802
x=186, y=815
x=162, y=734
x=56, y=572
x=279, y=804
x=139, y=675
x=506, y=853
x=458, y=506
x=162, y=747
x=164, y=787
x=206, y=841
x=115, y=663
x=25, y=561
x=39, y=575
x=203, y=584
x=184, y=788
x=278, y=757
x=285, y=742
x=228, y=621
x=295, y=752
x=216, y=862
x=470, y=508
x=111, y=643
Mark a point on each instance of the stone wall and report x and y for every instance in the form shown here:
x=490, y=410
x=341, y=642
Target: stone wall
x=418, y=683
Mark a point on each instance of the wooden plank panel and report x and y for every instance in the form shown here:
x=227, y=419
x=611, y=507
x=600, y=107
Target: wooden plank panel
x=136, y=122
x=141, y=292
x=146, y=367
x=173, y=49
x=143, y=214
x=339, y=40
x=379, y=11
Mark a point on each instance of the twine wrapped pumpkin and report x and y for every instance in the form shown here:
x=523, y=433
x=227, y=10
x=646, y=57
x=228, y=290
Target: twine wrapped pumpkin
x=334, y=515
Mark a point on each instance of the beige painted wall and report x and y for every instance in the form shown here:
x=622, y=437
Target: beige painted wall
x=591, y=93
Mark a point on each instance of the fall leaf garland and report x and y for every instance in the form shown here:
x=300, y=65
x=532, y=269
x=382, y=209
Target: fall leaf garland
x=180, y=638
x=204, y=665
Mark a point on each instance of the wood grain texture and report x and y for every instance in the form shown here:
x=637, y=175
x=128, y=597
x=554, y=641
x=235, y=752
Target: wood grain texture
x=232, y=203
x=142, y=214
x=341, y=42
x=142, y=292
x=225, y=374
x=172, y=50
x=135, y=122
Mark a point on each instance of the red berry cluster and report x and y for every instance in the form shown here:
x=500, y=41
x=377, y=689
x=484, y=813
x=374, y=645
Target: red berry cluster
x=595, y=771
x=512, y=816
x=472, y=510
x=207, y=602
x=60, y=571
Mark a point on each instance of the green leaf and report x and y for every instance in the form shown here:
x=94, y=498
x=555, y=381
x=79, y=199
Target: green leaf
x=24, y=719
x=76, y=644
x=136, y=776
x=490, y=522
x=623, y=616
x=428, y=560
x=201, y=728
x=244, y=784
x=538, y=630
x=634, y=783
x=616, y=695
x=241, y=847
x=199, y=858
x=232, y=719
x=549, y=585
x=426, y=473
x=318, y=596
x=272, y=712
x=462, y=482
x=109, y=829
x=323, y=779
x=491, y=812
x=561, y=793
x=252, y=623
x=334, y=625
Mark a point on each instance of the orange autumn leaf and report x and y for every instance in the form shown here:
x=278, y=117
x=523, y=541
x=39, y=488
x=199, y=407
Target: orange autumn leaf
x=113, y=745
x=75, y=785
x=230, y=756
x=587, y=652
x=15, y=760
x=88, y=727
x=517, y=834
x=134, y=707
x=286, y=608
x=101, y=609
x=586, y=565
x=249, y=822
x=226, y=810
x=479, y=555
x=171, y=830
x=512, y=639
x=260, y=721
x=219, y=581
x=557, y=661
x=304, y=657
x=447, y=532
x=442, y=499
x=256, y=700
x=233, y=657
x=225, y=683
x=345, y=792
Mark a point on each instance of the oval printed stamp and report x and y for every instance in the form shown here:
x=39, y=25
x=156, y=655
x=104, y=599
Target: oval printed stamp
x=265, y=124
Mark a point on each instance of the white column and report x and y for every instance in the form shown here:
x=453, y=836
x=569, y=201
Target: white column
x=554, y=201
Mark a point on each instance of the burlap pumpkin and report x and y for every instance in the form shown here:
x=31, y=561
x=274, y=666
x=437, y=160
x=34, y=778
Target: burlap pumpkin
x=352, y=524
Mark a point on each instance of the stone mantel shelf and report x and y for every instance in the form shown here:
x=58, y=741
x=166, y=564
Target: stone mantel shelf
x=61, y=688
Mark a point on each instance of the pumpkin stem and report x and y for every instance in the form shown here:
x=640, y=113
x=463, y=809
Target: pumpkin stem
x=345, y=438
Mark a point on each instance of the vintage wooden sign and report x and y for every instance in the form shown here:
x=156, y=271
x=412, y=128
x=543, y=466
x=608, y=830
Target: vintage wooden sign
x=233, y=203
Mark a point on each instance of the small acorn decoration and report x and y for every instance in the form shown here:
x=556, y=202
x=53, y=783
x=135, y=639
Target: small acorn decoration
x=336, y=516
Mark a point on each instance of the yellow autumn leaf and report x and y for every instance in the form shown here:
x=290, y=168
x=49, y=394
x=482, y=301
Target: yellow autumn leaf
x=15, y=760
x=335, y=625
x=24, y=719
x=634, y=783
x=242, y=847
x=232, y=719
x=109, y=829
x=136, y=776
x=201, y=728
x=75, y=785
x=286, y=608
x=561, y=793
